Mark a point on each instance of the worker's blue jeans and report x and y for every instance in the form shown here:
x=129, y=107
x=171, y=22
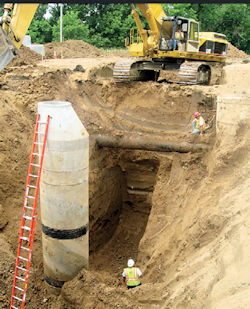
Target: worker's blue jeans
x=175, y=43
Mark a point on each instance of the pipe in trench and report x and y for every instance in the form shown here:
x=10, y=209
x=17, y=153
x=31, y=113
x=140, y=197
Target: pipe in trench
x=140, y=143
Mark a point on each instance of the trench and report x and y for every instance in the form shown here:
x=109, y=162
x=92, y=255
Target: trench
x=120, y=204
x=121, y=181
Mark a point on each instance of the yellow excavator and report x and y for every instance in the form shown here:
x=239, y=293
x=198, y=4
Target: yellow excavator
x=14, y=24
x=172, y=43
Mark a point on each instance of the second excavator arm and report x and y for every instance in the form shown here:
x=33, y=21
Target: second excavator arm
x=14, y=25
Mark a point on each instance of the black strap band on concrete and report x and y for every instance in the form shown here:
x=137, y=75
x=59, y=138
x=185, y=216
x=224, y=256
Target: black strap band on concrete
x=65, y=234
x=53, y=282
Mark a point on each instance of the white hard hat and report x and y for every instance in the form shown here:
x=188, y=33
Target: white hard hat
x=131, y=263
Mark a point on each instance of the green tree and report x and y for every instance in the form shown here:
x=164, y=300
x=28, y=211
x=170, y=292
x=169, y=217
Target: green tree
x=207, y=15
x=108, y=24
x=41, y=11
x=54, y=10
x=234, y=22
x=180, y=9
x=113, y=23
x=40, y=30
x=73, y=28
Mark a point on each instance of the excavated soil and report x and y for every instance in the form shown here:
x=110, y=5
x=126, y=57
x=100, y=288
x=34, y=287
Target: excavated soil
x=72, y=49
x=183, y=217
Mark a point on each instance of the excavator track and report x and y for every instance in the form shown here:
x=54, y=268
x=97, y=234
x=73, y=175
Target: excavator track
x=129, y=70
x=194, y=72
x=122, y=71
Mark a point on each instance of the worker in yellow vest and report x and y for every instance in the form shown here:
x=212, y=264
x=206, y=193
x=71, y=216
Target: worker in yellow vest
x=199, y=125
x=131, y=275
x=179, y=40
x=179, y=35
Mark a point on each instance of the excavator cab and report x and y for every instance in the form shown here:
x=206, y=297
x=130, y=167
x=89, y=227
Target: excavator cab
x=183, y=37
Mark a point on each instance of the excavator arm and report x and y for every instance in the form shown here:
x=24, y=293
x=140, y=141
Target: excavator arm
x=153, y=12
x=13, y=26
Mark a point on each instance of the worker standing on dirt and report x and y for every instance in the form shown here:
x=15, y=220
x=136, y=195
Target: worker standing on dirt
x=131, y=275
x=199, y=125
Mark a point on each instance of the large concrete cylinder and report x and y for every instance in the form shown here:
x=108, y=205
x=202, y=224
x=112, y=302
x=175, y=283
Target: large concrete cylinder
x=64, y=194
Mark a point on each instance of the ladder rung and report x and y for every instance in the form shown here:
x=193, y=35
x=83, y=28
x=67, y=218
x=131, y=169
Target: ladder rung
x=26, y=228
x=33, y=175
x=13, y=307
x=39, y=132
x=37, y=143
x=28, y=217
x=19, y=278
x=30, y=196
x=36, y=154
x=17, y=298
x=31, y=185
x=24, y=238
x=22, y=258
x=24, y=269
x=20, y=289
x=35, y=164
x=29, y=207
x=24, y=248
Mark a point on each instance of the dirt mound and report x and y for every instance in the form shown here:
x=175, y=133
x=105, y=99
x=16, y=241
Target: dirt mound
x=72, y=49
x=234, y=52
x=25, y=57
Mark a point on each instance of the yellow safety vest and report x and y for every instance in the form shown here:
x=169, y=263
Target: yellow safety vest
x=198, y=124
x=132, y=277
x=178, y=35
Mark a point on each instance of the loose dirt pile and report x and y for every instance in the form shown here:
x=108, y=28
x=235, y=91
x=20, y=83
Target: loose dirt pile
x=25, y=57
x=72, y=49
x=183, y=217
x=234, y=52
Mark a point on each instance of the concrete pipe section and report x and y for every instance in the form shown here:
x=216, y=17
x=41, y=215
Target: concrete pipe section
x=64, y=194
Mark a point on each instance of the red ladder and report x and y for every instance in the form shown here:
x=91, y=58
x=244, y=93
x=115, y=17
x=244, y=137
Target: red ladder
x=28, y=222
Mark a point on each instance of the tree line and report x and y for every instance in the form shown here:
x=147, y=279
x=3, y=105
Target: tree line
x=107, y=25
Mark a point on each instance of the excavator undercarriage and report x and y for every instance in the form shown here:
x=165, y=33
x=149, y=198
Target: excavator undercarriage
x=129, y=70
x=189, y=72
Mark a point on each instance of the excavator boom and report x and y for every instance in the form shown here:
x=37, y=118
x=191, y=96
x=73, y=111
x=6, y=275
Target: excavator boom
x=13, y=26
